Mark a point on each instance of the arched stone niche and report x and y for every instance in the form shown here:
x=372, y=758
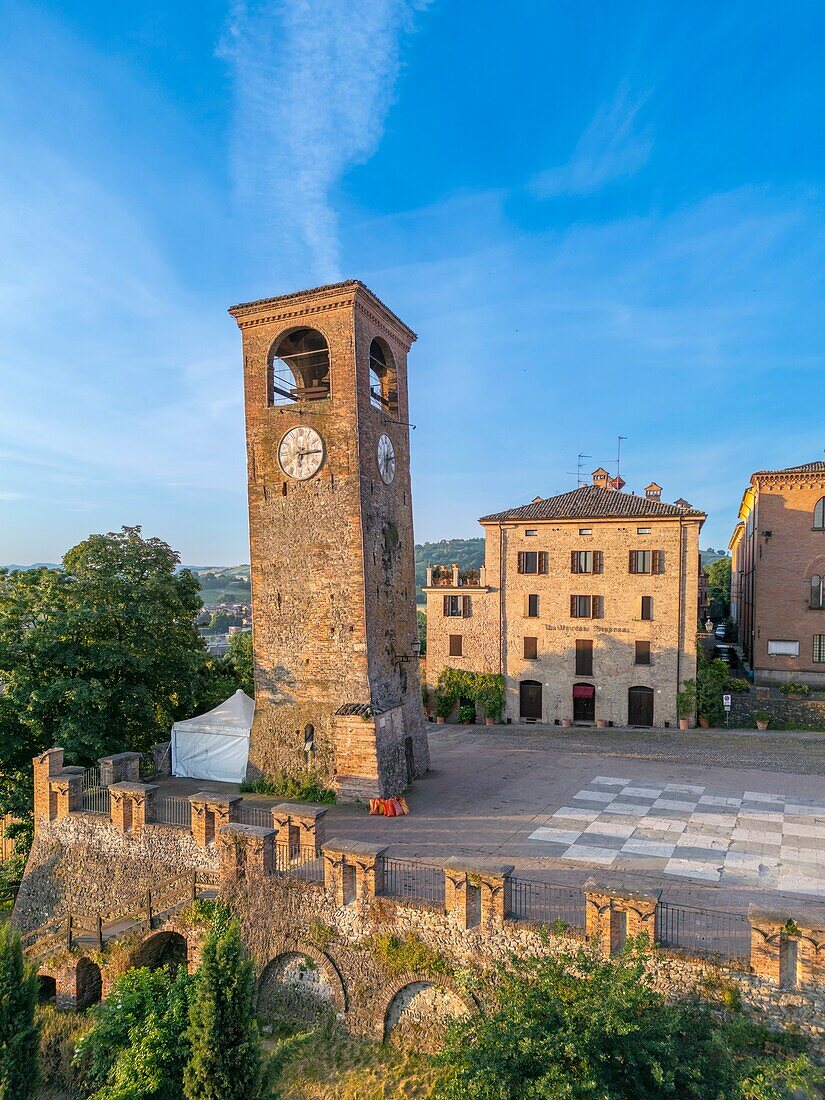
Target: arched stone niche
x=419, y=1012
x=301, y=985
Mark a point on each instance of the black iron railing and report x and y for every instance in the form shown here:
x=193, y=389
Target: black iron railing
x=170, y=810
x=405, y=878
x=254, y=815
x=546, y=902
x=303, y=863
x=703, y=931
x=95, y=796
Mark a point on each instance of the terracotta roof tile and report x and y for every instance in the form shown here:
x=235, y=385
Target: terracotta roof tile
x=591, y=502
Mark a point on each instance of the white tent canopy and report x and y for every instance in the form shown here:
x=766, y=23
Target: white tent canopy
x=215, y=745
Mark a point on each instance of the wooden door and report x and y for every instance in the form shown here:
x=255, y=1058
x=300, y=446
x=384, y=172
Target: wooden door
x=640, y=706
x=530, y=699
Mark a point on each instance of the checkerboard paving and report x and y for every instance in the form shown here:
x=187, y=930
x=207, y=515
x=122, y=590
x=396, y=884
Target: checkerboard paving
x=749, y=838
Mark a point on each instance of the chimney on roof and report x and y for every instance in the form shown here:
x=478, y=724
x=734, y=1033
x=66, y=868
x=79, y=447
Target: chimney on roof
x=600, y=478
x=682, y=503
x=537, y=500
x=653, y=491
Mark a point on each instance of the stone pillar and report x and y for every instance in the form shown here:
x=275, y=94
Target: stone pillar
x=613, y=915
x=245, y=851
x=455, y=576
x=475, y=891
x=209, y=812
x=162, y=757
x=429, y=583
x=788, y=950
x=122, y=767
x=65, y=793
x=296, y=822
x=353, y=870
x=45, y=765
x=132, y=806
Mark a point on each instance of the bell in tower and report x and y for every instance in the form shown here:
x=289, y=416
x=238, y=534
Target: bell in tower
x=337, y=689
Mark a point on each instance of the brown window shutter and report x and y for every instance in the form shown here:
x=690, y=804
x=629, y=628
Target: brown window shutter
x=574, y=561
x=598, y=561
x=632, y=565
x=542, y=561
x=598, y=607
x=658, y=561
x=573, y=606
x=466, y=606
x=446, y=605
x=521, y=561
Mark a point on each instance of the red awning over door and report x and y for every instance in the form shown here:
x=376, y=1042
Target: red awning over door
x=583, y=691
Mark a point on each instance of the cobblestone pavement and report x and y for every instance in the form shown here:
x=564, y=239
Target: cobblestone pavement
x=492, y=788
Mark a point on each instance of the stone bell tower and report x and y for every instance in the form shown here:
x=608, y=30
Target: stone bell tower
x=337, y=690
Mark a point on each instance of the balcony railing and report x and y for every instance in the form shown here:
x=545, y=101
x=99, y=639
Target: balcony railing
x=545, y=902
x=405, y=878
x=445, y=576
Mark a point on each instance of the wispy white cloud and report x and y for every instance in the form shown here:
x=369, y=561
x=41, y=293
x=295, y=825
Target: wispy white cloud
x=6, y=494
x=313, y=82
x=613, y=146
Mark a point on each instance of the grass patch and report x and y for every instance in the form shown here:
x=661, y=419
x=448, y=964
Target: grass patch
x=295, y=788
x=407, y=955
x=328, y=1064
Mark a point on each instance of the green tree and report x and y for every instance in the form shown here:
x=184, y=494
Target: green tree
x=19, y=1040
x=579, y=1027
x=226, y=1055
x=241, y=659
x=422, y=630
x=711, y=677
x=98, y=657
x=718, y=575
x=220, y=622
x=138, y=1047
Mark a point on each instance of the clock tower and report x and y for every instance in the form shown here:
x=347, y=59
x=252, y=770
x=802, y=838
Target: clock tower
x=337, y=689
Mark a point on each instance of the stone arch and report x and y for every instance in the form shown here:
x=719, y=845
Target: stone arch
x=419, y=1008
x=305, y=980
x=89, y=983
x=164, y=948
x=47, y=988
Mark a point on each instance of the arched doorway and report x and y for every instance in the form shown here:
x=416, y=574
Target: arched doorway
x=162, y=949
x=89, y=983
x=419, y=1013
x=47, y=989
x=296, y=988
x=530, y=707
x=584, y=703
x=640, y=706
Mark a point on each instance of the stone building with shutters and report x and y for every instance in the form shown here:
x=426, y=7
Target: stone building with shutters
x=587, y=605
x=778, y=574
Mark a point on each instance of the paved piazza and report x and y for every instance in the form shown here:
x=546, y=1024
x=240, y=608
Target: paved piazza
x=709, y=834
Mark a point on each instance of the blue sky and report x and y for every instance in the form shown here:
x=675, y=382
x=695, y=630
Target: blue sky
x=600, y=218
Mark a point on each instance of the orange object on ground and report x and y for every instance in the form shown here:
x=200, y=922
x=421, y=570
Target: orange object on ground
x=405, y=809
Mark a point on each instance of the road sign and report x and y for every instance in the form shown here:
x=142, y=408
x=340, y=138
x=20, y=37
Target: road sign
x=726, y=702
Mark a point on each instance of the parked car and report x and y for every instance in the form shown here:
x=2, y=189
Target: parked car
x=719, y=632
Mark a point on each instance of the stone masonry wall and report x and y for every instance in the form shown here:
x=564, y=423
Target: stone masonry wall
x=305, y=940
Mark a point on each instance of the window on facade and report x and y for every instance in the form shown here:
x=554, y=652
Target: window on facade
x=458, y=607
x=531, y=606
x=456, y=645
x=783, y=648
x=647, y=607
x=299, y=367
x=819, y=648
x=643, y=530
x=647, y=561
x=587, y=607
x=531, y=649
x=642, y=653
x=819, y=515
x=383, y=378
x=532, y=561
x=817, y=592
x=586, y=561
x=530, y=534
x=584, y=657
x=585, y=530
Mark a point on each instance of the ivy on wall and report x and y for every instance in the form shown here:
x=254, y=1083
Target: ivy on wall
x=484, y=689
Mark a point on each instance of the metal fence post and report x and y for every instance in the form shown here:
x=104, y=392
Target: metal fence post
x=149, y=908
x=100, y=931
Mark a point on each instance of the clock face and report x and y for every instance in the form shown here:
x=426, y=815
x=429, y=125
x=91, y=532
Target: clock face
x=386, y=459
x=301, y=453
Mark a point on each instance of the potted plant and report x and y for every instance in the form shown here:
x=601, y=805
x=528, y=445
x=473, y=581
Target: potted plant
x=467, y=714
x=443, y=708
x=762, y=718
x=601, y=723
x=489, y=694
x=567, y=721
x=686, y=704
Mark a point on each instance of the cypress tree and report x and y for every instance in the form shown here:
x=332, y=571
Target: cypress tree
x=226, y=1056
x=19, y=1033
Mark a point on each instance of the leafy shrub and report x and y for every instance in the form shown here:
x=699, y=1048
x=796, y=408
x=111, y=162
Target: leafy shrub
x=59, y=1036
x=710, y=680
x=486, y=689
x=467, y=713
x=738, y=685
x=686, y=699
x=296, y=789
x=794, y=687
x=407, y=955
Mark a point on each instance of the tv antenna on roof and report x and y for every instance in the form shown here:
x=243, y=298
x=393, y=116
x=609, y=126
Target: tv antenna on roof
x=619, y=455
x=579, y=466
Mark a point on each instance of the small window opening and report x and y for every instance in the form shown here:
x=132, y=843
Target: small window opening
x=299, y=370
x=383, y=378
